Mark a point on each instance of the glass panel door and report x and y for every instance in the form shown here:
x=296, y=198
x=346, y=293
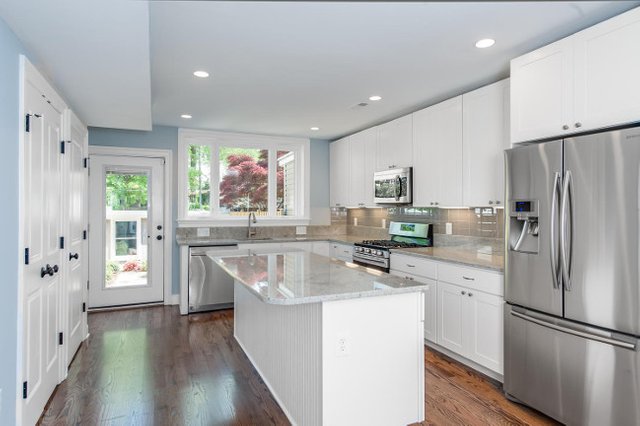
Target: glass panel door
x=126, y=214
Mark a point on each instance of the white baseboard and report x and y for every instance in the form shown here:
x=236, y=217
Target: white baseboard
x=462, y=360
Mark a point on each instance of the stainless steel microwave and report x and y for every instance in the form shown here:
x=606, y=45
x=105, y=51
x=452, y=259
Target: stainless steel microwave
x=393, y=186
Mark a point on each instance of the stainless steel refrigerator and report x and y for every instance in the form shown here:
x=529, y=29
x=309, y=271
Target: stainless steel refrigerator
x=572, y=280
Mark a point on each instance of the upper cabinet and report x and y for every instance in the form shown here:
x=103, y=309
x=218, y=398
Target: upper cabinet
x=437, y=153
x=395, y=140
x=584, y=82
x=340, y=158
x=362, y=167
x=485, y=130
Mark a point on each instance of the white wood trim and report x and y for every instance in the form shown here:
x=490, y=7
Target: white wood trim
x=167, y=155
x=214, y=138
x=19, y=250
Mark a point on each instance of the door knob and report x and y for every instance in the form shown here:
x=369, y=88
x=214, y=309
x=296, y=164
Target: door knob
x=73, y=256
x=159, y=227
x=159, y=237
x=46, y=270
x=55, y=268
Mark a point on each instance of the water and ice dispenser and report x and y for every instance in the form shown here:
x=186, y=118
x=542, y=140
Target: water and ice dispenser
x=524, y=227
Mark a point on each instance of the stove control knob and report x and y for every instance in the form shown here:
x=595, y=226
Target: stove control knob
x=379, y=253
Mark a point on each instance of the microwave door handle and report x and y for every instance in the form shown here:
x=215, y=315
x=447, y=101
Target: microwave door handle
x=398, y=187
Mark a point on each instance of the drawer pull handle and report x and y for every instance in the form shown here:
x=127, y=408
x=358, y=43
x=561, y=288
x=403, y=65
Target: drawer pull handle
x=410, y=265
x=468, y=278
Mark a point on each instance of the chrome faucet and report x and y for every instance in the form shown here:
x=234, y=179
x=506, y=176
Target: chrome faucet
x=251, y=231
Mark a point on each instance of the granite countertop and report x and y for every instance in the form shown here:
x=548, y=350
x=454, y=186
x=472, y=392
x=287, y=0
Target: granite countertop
x=290, y=277
x=476, y=257
x=208, y=241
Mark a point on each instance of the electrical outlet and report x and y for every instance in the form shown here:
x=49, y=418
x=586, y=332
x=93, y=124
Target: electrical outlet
x=343, y=345
x=203, y=232
x=355, y=221
x=449, y=228
x=301, y=230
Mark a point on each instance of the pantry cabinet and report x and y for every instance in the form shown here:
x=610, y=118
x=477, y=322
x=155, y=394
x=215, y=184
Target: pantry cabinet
x=584, y=82
x=437, y=152
x=485, y=136
x=395, y=141
x=340, y=158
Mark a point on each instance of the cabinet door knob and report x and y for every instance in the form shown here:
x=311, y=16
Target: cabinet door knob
x=578, y=124
x=431, y=203
x=565, y=127
x=463, y=293
x=490, y=202
x=436, y=203
x=470, y=294
x=497, y=201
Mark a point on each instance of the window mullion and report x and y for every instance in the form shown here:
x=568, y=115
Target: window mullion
x=272, y=182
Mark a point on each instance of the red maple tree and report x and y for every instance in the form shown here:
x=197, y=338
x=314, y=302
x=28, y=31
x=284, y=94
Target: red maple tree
x=245, y=186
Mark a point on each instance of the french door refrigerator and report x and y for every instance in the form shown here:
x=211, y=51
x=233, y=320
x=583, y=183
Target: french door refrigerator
x=572, y=318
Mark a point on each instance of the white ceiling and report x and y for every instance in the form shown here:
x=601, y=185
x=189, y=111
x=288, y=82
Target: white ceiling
x=280, y=67
x=95, y=52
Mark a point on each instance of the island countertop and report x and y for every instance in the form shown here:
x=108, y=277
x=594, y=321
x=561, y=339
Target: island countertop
x=291, y=277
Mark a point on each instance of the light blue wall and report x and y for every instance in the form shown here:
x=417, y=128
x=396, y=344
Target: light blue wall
x=10, y=49
x=160, y=137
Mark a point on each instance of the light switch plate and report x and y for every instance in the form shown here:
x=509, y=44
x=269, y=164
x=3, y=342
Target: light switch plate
x=301, y=230
x=203, y=232
x=449, y=228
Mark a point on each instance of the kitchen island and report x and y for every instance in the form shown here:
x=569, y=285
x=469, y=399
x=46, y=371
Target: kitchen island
x=335, y=343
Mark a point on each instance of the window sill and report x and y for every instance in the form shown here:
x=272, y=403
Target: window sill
x=242, y=221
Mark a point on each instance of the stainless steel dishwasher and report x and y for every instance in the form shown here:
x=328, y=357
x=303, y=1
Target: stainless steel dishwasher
x=210, y=287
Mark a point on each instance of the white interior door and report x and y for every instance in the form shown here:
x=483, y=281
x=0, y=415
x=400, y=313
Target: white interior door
x=42, y=284
x=126, y=208
x=76, y=248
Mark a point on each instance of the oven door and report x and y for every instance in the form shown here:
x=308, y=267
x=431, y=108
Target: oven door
x=375, y=262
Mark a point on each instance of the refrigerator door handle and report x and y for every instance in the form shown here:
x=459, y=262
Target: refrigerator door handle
x=583, y=334
x=566, y=224
x=557, y=188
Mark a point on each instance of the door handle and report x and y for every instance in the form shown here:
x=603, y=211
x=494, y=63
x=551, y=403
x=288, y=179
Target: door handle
x=159, y=237
x=566, y=228
x=48, y=270
x=557, y=187
x=73, y=256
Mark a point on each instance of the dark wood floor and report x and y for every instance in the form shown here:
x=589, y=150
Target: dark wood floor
x=153, y=366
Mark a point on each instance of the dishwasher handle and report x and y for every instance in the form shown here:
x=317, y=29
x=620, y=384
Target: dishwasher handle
x=202, y=250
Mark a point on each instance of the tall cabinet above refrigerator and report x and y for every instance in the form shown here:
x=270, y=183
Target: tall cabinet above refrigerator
x=572, y=318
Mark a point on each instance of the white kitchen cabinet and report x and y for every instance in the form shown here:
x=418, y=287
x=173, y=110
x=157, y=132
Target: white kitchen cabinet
x=584, y=82
x=470, y=323
x=340, y=158
x=437, y=153
x=542, y=92
x=451, y=322
x=430, y=303
x=341, y=251
x=485, y=130
x=395, y=140
x=362, y=167
x=606, y=70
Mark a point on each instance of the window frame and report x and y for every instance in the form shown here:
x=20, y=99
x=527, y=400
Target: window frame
x=217, y=139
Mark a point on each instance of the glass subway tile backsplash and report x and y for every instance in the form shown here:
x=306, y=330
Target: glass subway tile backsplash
x=486, y=222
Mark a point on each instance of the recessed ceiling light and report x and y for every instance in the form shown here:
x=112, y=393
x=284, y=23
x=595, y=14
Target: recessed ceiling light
x=315, y=129
x=485, y=42
x=201, y=74
x=187, y=116
x=375, y=98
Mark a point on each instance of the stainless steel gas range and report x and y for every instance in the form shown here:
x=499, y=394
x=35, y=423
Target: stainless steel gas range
x=376, y=253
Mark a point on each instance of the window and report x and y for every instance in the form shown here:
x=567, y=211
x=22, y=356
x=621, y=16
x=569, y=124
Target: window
x=226, y=176
x=126, y=238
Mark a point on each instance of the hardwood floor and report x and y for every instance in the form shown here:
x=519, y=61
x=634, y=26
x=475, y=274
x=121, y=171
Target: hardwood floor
x=153, y=366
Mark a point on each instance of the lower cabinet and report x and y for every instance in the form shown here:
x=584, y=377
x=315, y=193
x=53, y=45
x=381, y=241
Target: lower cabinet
x=463, y=308
x=470, y=323
x=430, y=300
x=341, y=251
